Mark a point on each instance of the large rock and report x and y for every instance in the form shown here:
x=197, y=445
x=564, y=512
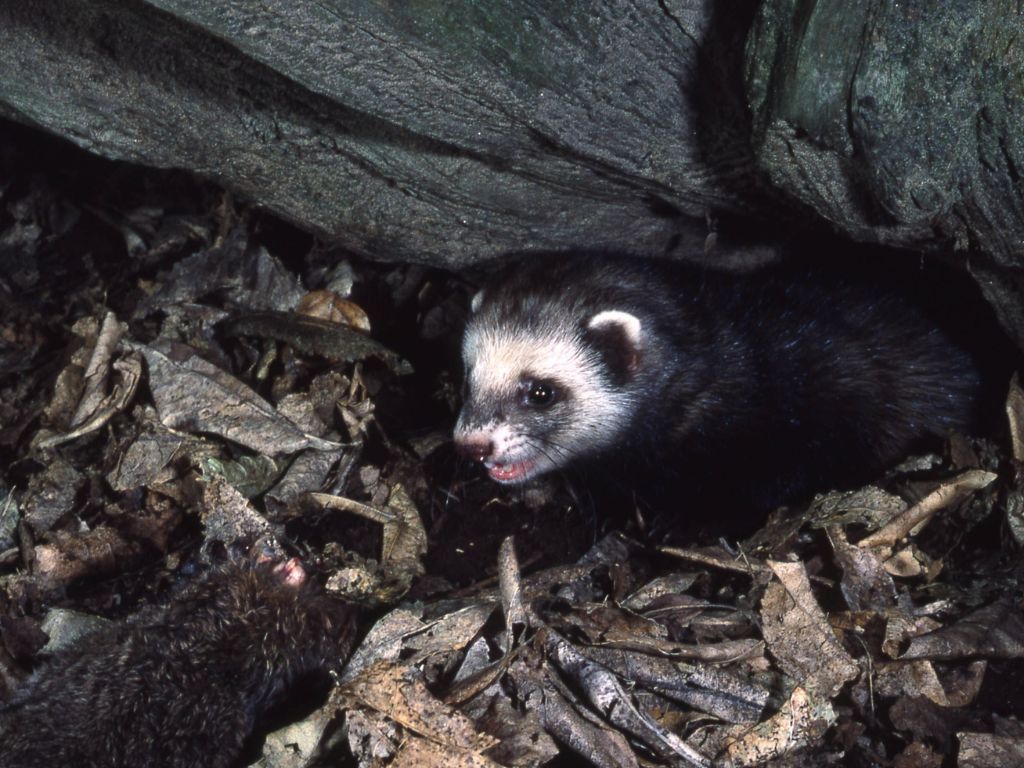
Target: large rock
x=437, y=131
x=900, y=123
x=447, y=132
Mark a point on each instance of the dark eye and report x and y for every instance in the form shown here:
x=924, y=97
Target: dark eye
x=539, y=393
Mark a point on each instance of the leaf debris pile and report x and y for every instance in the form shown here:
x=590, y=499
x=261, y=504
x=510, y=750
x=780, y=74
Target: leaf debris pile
x=178, y=373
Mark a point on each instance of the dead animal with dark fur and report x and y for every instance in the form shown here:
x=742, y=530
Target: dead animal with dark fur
x=184, y=687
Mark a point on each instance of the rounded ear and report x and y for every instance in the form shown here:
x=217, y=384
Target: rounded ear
x=618, y=336
x=476, y=301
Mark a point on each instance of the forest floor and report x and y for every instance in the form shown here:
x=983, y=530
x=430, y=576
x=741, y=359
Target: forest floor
x=179, y=371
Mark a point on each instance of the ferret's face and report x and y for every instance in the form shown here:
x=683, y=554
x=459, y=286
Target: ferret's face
x=538, y=400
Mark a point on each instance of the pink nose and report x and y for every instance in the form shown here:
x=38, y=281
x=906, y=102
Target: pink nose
x=475, y=447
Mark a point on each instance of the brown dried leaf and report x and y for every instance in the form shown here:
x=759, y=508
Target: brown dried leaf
x=295, y=745
x=97, y=371
x=900, y=628
x=510, y=588
x=312, y=335
x=143, y=463
x=73, y=556
x=865, y=583
x=717, y=557
x=399, y=693
x=385, y=641
x=658, y=587
x=917, y=755
x=247, y=277
x=372, y=740
x=97, y=398
x=950, y=492
x=995, y=632
x=195, y=395
x=523, y=740
x=916, y=678
x=416, y=752
x=405, y=540
x=328, y=305
x=1015, y=415
x=228, y=516
x=452, y=632
x=802, y=721
x=798, y=633
x=51, y=495
x=984, y=750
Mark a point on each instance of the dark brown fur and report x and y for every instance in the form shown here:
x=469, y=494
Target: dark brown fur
x=182, y=688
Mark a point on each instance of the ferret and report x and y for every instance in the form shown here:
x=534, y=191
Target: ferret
x=183, y=687
x=748, y=390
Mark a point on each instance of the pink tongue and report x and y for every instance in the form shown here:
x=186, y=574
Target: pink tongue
x=509, y=471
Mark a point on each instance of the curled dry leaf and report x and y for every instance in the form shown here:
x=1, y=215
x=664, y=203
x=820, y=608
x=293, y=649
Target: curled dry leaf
x=658, y=587
x=314, y=336
x=510, y=588
x=97, y=371
x=946, y=494
x=916, y=678
x=405, y=540
x=798, y=634
x=717, y=557
x=706, y=688
x=1015, y=415
x=995, y=632
x=899, y=628
x=865, y=583
x=608, y=696
x=801, y=721
x=402, y=548
x=329, y=306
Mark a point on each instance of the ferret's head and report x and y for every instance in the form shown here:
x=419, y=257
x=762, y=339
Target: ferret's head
x=551, y=378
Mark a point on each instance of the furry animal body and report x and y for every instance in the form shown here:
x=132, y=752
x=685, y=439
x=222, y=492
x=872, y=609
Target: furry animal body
x=183, y=687
x=748, y=390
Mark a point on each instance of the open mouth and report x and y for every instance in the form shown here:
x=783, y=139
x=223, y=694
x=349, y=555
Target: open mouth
x=509, y=473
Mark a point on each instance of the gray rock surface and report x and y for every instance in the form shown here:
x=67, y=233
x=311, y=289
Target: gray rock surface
x=900, y=123
x=449, y=132
x=440, y=132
